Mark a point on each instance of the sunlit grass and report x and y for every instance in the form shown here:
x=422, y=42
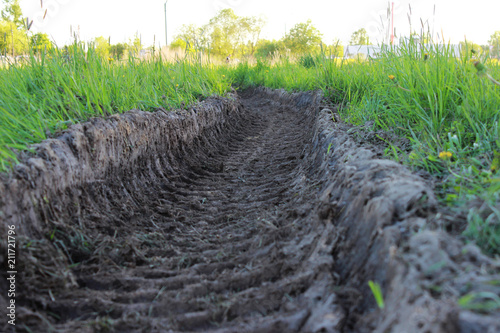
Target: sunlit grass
x=48, y=93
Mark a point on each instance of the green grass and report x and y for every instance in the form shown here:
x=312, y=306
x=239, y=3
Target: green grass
x=480, y=301
x=377, y=293
x=446, y=107
x=48, y=93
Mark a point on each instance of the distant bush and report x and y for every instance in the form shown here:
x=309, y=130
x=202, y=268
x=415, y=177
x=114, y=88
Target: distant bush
x=307, y=61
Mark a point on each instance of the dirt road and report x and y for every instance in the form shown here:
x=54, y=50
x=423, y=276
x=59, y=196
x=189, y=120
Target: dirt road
x=257, y=214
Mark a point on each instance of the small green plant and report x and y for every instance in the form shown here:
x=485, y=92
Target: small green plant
x=103, y=324
x=377, y=293
x=307, y=61
x=480, y=301
x=485, y=230
x=329, y=148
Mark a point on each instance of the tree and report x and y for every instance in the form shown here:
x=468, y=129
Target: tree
x=224, y=32
x=485, y=49
x=469, y=49
x=190, y=38
x=117, y=50
x=40, y=42
x=101, y=46
x=135, y=46
x=336, y=49
x=12, y=40
x=178, y=43
x=494, y=43
x=265, y=48
x=230, y=34
x=12, y=13
x=303, y=38
x=360, y=37
x=250, y=29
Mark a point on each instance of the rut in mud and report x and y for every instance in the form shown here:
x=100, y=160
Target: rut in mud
x=257, y=214
x=211, y=240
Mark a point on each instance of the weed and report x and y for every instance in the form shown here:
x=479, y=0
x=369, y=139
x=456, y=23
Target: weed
x=377, y=293
x=480, y=301
x=103, y=324
x=150, y=311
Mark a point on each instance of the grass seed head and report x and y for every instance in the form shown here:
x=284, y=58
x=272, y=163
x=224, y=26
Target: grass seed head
x=479, y=66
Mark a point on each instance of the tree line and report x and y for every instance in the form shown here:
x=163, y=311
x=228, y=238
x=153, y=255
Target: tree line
x=226, y=34
x=14, y=37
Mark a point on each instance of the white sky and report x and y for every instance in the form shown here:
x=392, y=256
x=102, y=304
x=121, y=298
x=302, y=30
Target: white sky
x=121, y=19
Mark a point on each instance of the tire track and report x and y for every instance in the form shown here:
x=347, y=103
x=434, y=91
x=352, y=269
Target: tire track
x=207, y=243
x=251, y=215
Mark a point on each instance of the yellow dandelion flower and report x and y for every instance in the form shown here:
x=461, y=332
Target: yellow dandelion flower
x=445, y=155
x=176, y=85
x=392, y=77
x=110, y=59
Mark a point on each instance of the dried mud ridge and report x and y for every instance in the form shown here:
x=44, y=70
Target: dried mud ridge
x=254, y=213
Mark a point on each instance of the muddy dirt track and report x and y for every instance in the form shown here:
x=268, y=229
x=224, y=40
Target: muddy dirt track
x=254, y=213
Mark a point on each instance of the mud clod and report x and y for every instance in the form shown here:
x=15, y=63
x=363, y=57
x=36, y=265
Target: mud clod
x=256, y=213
